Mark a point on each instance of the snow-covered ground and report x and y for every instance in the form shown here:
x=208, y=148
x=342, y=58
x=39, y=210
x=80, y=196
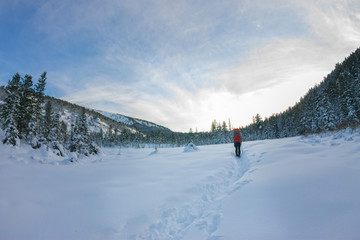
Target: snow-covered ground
x=293, y=188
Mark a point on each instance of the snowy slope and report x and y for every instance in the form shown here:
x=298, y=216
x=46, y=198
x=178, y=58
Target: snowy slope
x=142, y=125
x=118, y=117
x=294, y=188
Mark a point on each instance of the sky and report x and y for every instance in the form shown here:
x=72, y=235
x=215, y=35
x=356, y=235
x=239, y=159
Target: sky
x=180, y=64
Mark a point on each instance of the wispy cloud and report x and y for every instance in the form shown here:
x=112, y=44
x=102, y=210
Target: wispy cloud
x=336, y=23
x=186, y=63
x=333, y=32
x=279, y=61
x=193, y=68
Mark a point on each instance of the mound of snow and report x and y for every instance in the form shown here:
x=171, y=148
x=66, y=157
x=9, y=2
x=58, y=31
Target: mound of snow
x=191, y=147
x=155, y=151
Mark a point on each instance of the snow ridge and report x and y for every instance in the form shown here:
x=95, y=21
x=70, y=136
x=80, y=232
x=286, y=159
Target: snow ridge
x=203, y=213
x=129, y=120
x=117, y=117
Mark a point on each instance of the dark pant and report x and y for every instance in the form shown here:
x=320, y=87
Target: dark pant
x=237, y=148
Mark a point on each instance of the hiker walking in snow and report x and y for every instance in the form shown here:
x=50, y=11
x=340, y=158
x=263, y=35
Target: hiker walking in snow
x=237, y=141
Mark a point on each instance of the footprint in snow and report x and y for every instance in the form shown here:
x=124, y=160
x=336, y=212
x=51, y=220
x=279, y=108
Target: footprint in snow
x=203, y=213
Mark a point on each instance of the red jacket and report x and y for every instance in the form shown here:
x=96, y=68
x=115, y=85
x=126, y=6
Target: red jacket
x=237, y=136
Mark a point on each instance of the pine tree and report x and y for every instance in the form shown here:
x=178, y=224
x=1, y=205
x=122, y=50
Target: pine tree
x=39, y=101
x=11, y=132
x=55, y=138
x=63, y=132
x=218, y=127
x=47, y=120
x=10, y=111
x=328, y=118
x=31, y=109
x=224, y=126
x=213, y=126
x=80, y=141
x=257, y=122
x=308, y=111
x=26, y=107
x=109, y=137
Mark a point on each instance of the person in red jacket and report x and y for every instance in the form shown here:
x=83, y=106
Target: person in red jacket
x=237, y=141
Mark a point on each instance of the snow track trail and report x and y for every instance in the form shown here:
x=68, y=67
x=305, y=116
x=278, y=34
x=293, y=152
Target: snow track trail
x=203, y=213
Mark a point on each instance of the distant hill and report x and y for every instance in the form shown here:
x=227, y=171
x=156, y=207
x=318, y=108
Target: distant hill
x=100, y=120
x=139, y=124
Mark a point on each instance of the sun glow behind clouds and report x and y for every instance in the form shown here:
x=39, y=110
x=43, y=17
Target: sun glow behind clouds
x=181, y=64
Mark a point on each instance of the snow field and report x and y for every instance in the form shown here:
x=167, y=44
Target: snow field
x=293, y=188
x=134, y=195
x=302, y=188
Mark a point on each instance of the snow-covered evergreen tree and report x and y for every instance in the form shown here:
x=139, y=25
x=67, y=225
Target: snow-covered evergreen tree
x=10, y=111
x=328, y=119
x=46, y=124
x=35, y=135
x=55, y=138
x=26, y=107
x=80, y=141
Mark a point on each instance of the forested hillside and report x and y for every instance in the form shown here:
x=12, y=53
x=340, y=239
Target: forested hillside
x=28, y=116
x=331, y=105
